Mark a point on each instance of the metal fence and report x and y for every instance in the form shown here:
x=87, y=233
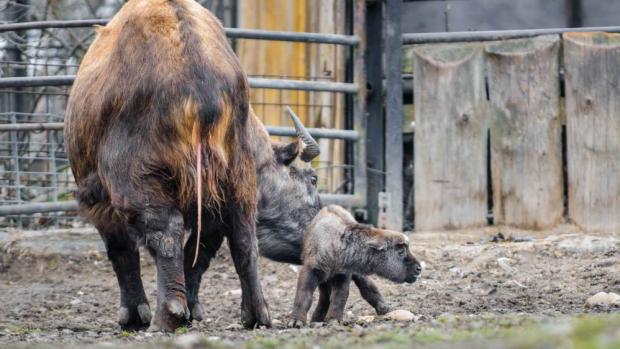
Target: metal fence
x=37, y=186
x=375, y=87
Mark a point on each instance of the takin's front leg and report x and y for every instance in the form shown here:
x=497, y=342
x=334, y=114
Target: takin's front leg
x=307, y=282
x=244, y=250
x=164, y=239
x=210, y=243
x=134, y=313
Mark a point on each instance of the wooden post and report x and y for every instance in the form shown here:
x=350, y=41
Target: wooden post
x=526, y=145
x=450, y=142
x=592, y=62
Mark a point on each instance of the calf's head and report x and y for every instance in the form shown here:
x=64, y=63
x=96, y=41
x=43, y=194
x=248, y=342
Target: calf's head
x=388, y=254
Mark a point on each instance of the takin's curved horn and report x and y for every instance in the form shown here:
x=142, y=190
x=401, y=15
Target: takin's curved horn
x=311, y=147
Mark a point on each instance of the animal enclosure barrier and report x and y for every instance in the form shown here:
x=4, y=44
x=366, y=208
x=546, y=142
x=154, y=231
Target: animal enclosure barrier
x=520, y=109
x=27, y=210
x=514, y=127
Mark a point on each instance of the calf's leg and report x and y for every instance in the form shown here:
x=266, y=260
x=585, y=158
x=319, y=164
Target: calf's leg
x=339, y=295
x=323, y=305
x=371, y=294
x=122, y=250
x=306, y=284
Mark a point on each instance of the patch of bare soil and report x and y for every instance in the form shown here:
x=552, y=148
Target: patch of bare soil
x=47, y=296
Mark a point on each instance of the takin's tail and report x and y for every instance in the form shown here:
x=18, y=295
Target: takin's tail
x=198, y=149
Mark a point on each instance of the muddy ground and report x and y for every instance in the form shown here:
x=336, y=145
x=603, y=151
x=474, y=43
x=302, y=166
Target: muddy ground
x=57, y=287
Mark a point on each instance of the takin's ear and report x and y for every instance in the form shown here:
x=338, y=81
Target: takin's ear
x=378, y=244
x=286, y=153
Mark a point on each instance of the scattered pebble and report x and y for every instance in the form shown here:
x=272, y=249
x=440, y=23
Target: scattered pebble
x=505, y=264
x=400, y=315
x=236, y=292
x=362, y=320
x=603, y=299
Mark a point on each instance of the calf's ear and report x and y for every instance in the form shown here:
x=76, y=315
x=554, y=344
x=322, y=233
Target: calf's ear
x=286, y=153
x=377, y=244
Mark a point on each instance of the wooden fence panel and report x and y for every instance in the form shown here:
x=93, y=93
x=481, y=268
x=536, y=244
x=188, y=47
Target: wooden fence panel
x=450, y=142
x=592, y=65
x=526, y=145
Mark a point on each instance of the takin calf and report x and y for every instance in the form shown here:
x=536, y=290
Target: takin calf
x=336, y=247
x=288, y=201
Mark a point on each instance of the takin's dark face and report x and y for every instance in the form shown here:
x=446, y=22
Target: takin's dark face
x=391, y=257
x=288, y=200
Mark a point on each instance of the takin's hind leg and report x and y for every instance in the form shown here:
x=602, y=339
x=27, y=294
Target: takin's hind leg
x=163, y=229
x=244, y=250
x=209, y=244
x=135, y=313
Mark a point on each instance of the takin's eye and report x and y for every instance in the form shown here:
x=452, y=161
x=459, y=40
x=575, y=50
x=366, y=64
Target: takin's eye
x=313, y=180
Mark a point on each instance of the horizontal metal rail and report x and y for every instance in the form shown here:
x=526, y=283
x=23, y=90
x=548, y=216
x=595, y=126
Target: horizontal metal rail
x=46, y=207
x=39, y=207
x=326, y=133
x=278, y=84
x=233, y=33
x=491, y=35
x=48, y=126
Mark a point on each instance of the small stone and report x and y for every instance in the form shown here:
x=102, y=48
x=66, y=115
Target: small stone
x=505, y=265
x=603, y=299
x=363, y=320
x=400, y=315
x=276, y=322
x=66, y=331
x=236, y=292
x=188, y=340
x=75, y=301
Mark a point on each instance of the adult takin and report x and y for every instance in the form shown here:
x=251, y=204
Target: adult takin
x=161, y=139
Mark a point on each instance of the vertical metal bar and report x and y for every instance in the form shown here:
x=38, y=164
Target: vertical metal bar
x=359, y=103
x=574, y=13
x=375, y=137
x=394, y=114
x=15, y=156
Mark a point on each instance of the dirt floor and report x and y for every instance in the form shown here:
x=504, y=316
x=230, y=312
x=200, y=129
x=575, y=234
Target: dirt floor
x=57, y=288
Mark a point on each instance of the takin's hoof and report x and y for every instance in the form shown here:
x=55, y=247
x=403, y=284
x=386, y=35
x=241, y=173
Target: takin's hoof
x=134, y=318
x=258, y=318
x=169, y=316
x=295, y=323
x=197, y=313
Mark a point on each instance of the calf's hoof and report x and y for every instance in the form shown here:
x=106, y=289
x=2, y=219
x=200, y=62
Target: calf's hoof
x=382, y=309
x=134, y=318
x=257, y=317
x=197, y=313
x=170, y=315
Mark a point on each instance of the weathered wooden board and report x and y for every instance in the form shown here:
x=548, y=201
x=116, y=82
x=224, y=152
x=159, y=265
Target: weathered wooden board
x=526, y=145
x=450, y=143
x=592, y=64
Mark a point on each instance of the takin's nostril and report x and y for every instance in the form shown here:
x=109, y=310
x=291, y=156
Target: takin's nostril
x=418, y=269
